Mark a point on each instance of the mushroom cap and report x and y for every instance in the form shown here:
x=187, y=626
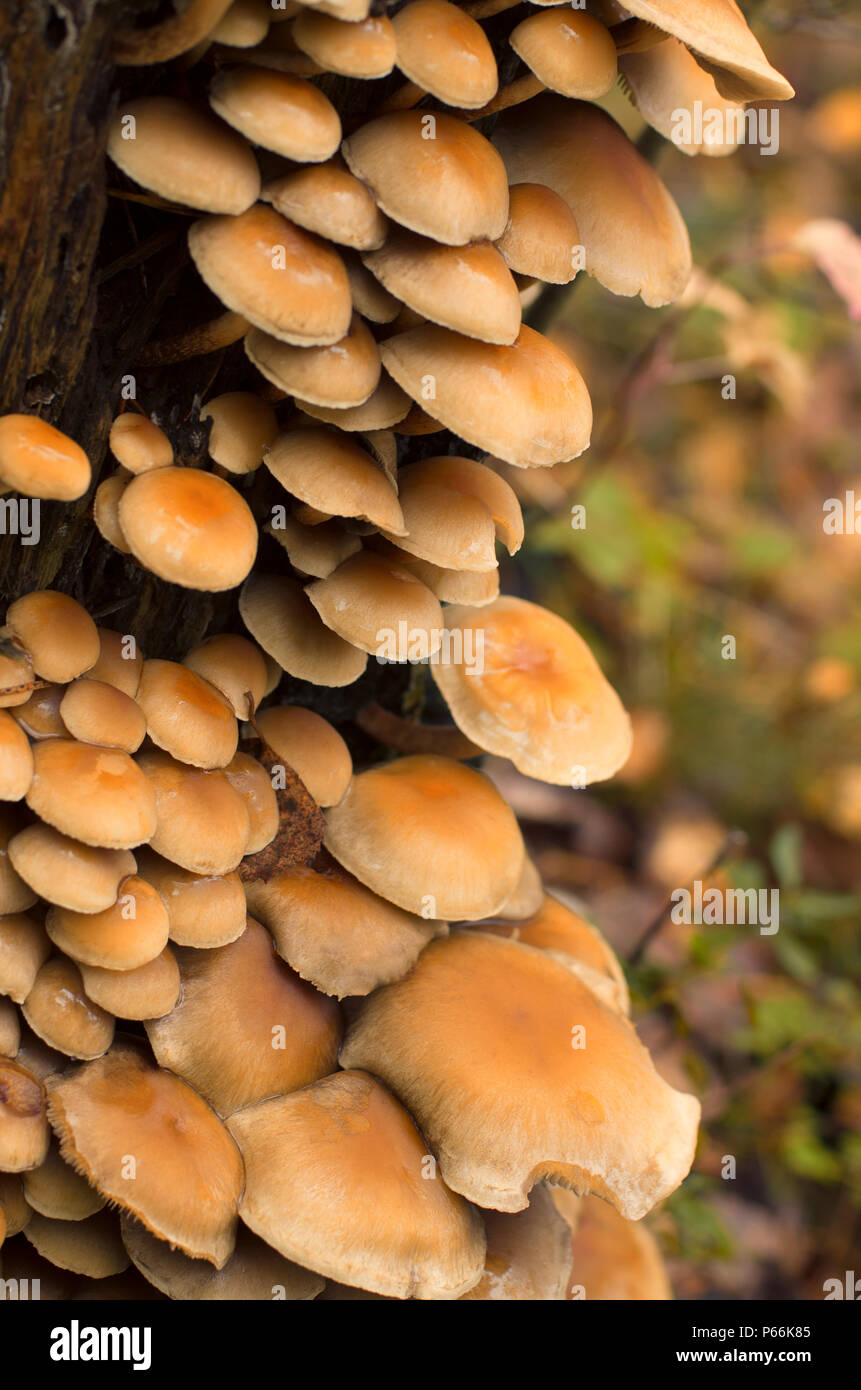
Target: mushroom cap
x=129, y=933
x=477, y=1041
x=96, y=794
x=526, y=899
x=537, y=695
x=329, y=471
x=334, y=1180
x=202, y=823
x=40, y=461
x=106, y=510
x=466, y=288
x=384, y=408
x=528, y=1253
x=16, y=760
x=329, y=200
x=91, y=1247
x=280, y=616
x=335, y=932
x=243, y=425
x=55, y=1190
x=13, y=1207
x=184, y=154
x=447, y=502
x=430, y=835
x=15, y=893
x=57, y=633
x=634, y=236
x=254, y=1270
x=277, y=276
x=16, y=681
x=315, y=550
x=526, y=404
x=368, y=296
x=186, y=715
x=364, y=49
x=719, y=35
x=309, y=744
x=250, y=778
x=615, y=1259
x=10, y=1028
x=138, y=443
x=342, y=375
x=448, y=184
x=569, y=51
x=59, y=1012
x=245, y=23
x=666, y=80
x=66, y=872
x=98, y=713
x=246, y=1026
x=373, y=604
x=24, y=948
x=24, y=1132
x=147, y=991
x=119, y=662
x=542, y=238
x=187, y=1171
x=475, y=587
x=446, y=52
x=234, y=666
x=189, y=528
x=278, y=111
x=40, y=716
x=205, y=910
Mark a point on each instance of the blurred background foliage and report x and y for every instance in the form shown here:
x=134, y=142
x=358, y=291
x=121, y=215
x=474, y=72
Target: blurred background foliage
x=703, y=521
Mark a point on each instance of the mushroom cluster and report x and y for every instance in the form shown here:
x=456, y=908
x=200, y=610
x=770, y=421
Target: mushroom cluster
x=269, y=1026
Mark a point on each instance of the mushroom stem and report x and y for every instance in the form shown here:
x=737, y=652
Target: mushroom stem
x=408, y=736
x=197, y=342
x=521, y=89
x=636, y=36
x=141, y=47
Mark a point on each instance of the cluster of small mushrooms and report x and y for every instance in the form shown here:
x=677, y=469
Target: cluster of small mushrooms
x=271, y=1026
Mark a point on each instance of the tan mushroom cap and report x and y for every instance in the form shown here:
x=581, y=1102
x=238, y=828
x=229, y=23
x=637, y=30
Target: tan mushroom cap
x=254, y=1270
x=15, y=894
x=311, y=746
x=446, y=52
x=329, y=200
x=281, y=112
x=40, y=461
x=634, y=236
x=186, y=715
x=66, y=872
x=138, y=443
x=615, y=1259
x=16, y=760
x=526, y=899
x=334, y=1180
x=148, y=991
x=59, y=1012
x=13, y=1206
x=10, y=1028
x=129, y=933
x=719, y=35
x=96, y=794
x=478, y=1042
x=667, y=81
x=335, y=932
x=250, y=778
x=246, y=1026
x=379, y=607
x=280, y=616
x=106, y=510
x=58, y=634
x=275, y=275
x=98, y=713
x=91, y=1247
x=474, y=587
x=569, y=51
x=205, y=910
x=539, y=697
x=467, y=479
x=329, y=471
x=24, y=1132
x=234, y=666
x=342, y=375
x=449, y=185
x=526, y=404
x=189, y=528
x=384, y=408
x=465, y=288
x=542, y=238
x=119, y=662
x=528, y=1254
x=368, y=296
x=40, y=716
x=245, y=24
x=188, y=1173
x=56, y=1191
x=24, y=947
x=364, y=49
x=430, y=835
x=243, y=425
x=202, y=822
x=183, y=154
x=314, y=550
x=16, y=681
x=568, y=938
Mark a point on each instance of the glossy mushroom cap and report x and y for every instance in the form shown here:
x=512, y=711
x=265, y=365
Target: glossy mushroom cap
x=446, y=52
x=309, y=744
x=186, y=715
x=541, y=239
x=40, y=461
x=66, y=872
x=282, y=113
x=57, y=633
x=569, y=51
x=97, y=794
x=615, y=1259
x=189, y=528
x=279, y=615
